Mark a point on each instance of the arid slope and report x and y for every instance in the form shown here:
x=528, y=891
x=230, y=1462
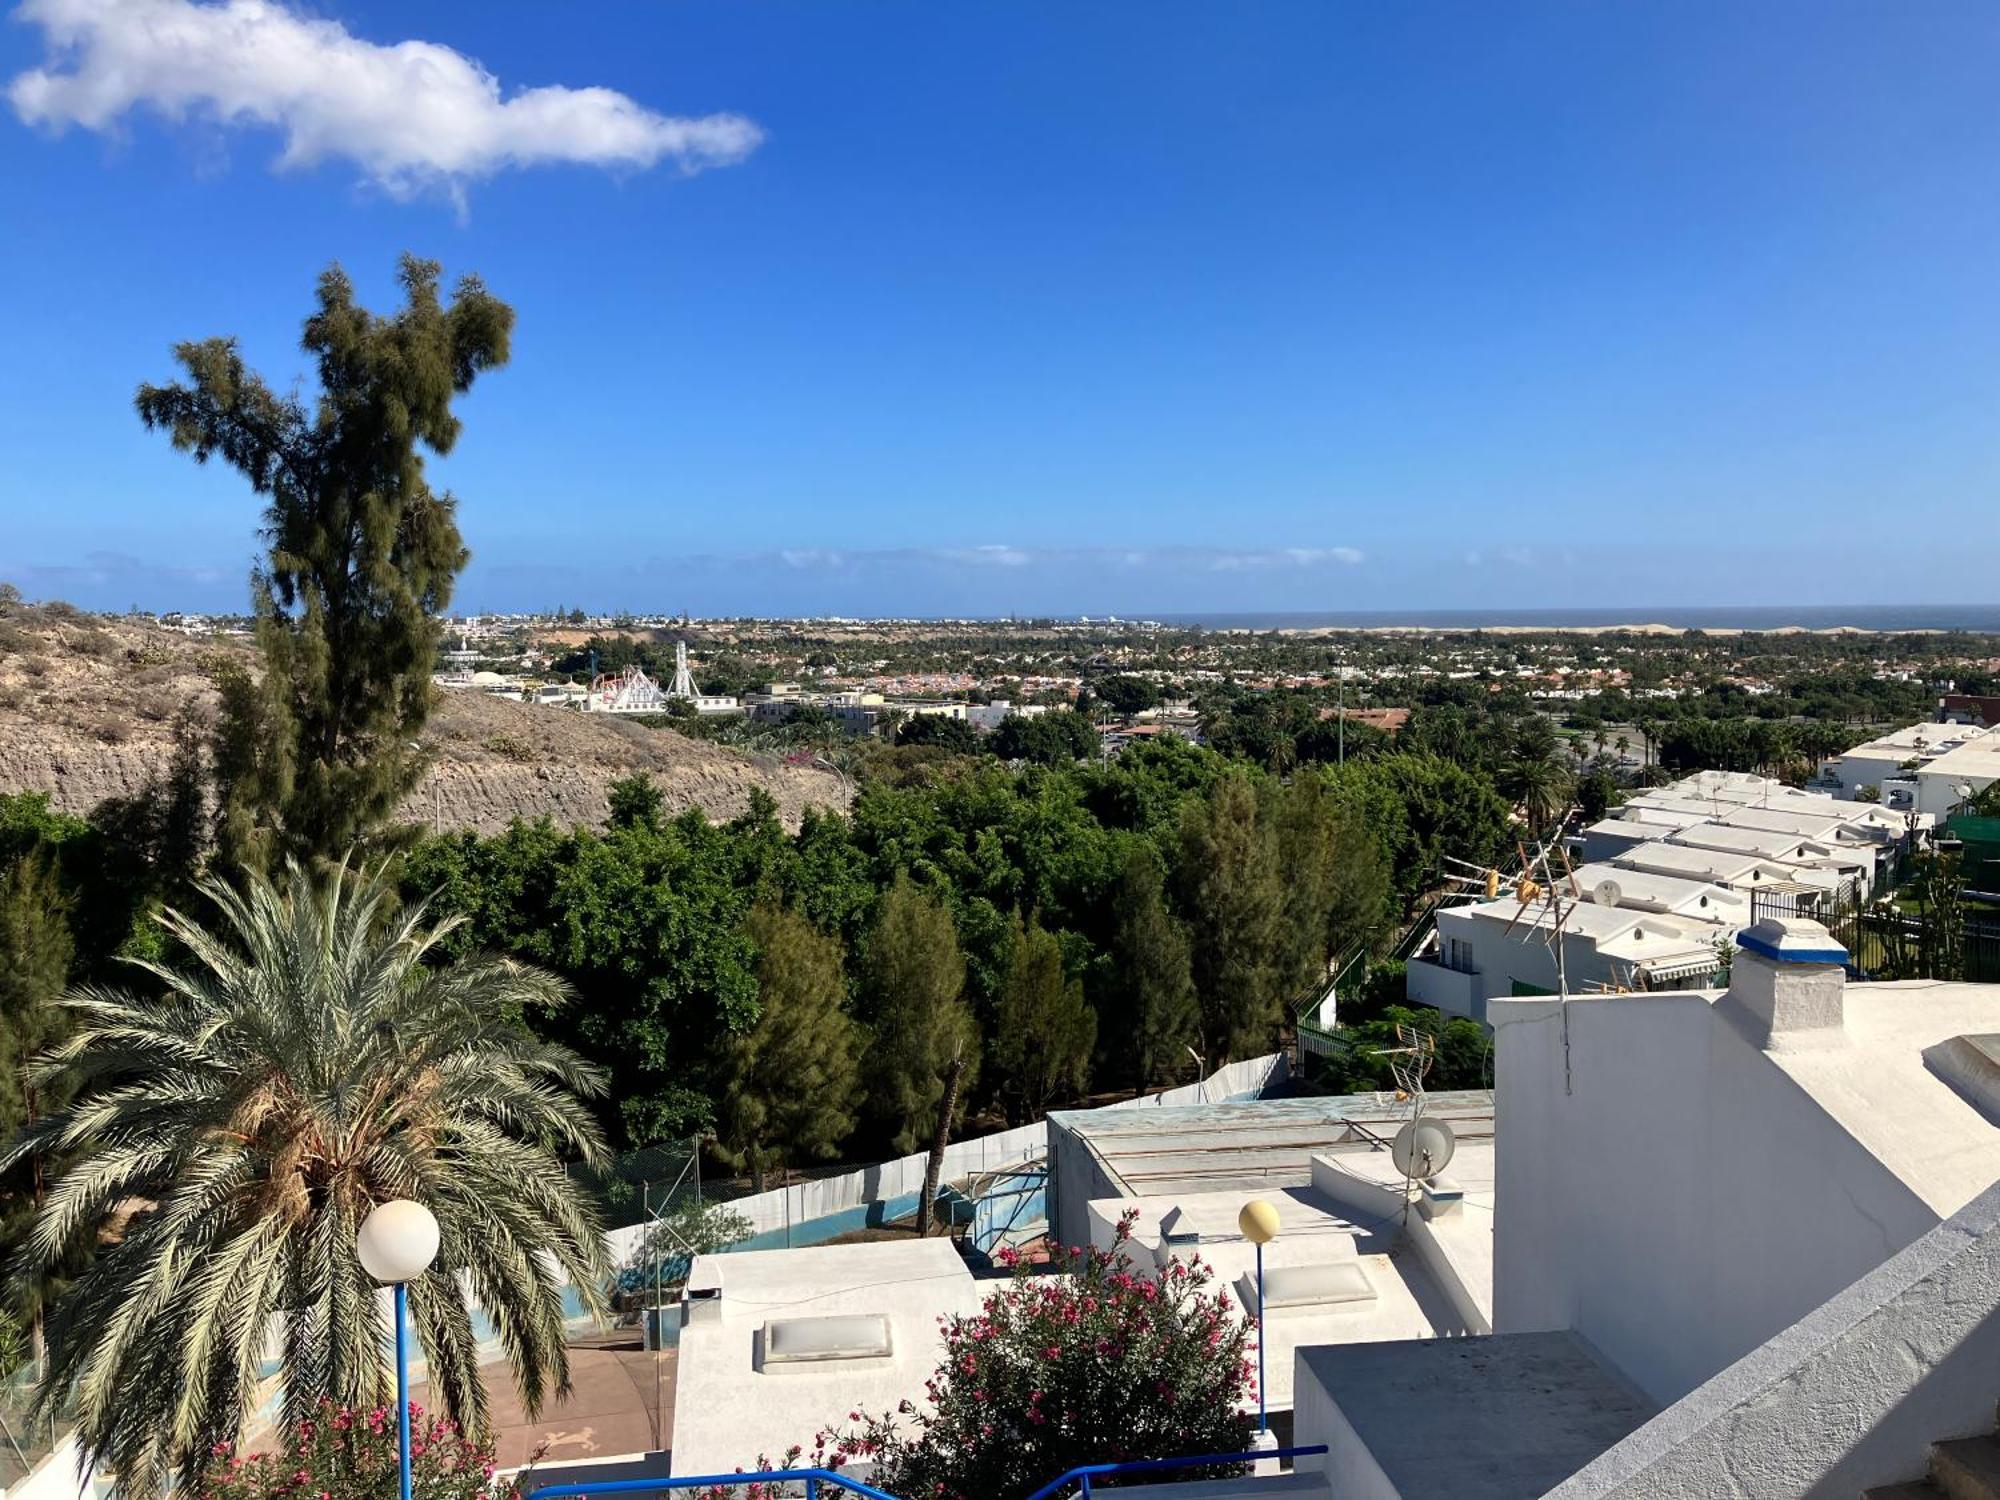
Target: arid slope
x=87, y=707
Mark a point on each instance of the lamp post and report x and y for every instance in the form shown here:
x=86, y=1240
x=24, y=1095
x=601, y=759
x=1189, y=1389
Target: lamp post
x=397, y=1243
x=1259, y=1223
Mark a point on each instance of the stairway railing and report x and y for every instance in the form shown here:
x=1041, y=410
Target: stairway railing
x=1082, y=1476
x=812, y=1479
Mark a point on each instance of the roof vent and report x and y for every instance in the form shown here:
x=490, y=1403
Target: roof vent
x=1329, y=1284
x=1971, y=1065
x=1177, y=1229
x=797, y=1341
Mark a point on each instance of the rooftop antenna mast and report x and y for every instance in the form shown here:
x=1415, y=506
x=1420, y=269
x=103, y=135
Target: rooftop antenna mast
x=1557, y=896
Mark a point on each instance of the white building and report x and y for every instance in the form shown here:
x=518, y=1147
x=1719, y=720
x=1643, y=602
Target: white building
x=1924, y=768
x=1746, y=1245
x=778, y=1345
x=1491, y=950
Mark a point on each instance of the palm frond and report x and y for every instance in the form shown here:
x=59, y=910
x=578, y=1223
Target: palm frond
x=310, y=1059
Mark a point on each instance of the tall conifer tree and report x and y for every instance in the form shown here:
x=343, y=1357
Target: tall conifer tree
x=1234, y=901
x=1043, y=1030
x=925, y=1043
x=321, y=750
x=792, y=1082
x=1153, y=977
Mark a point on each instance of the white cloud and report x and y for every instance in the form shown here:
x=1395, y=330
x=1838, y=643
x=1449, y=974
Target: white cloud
x=413, y=116
x=991, y=555
x=1000, y=555
x=810, y=557
x=1229, y=560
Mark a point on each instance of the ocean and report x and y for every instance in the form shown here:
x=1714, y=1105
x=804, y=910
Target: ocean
x=1981, y=619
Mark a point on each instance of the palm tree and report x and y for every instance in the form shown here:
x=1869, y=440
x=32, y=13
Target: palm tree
x=228, y=1136
x=1540, y=787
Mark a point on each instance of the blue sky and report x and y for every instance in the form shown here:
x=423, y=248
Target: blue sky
x=925, y=308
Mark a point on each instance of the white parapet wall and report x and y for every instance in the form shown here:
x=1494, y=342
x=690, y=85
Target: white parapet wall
x=1849, y=1397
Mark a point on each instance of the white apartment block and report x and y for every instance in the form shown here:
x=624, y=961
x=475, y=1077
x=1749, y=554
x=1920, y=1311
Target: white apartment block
x=1923, y=768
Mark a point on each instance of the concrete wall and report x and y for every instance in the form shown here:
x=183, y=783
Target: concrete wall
x=55, y=1478
x=1848, y=1398
x=807, y=1212
x=1350, y=1468
x=1678, y=1199
x=1452, y=991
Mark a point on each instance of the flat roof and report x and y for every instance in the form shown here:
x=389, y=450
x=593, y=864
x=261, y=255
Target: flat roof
x=1913, y=739
x=1250, y=1144
x=1507, y=1417
x=1812, y=822
x=729, y=1412
x=1671, y=891
x=1883, y=1092
x=1762, y=842
x=1313, y=1230
x=1712, y=864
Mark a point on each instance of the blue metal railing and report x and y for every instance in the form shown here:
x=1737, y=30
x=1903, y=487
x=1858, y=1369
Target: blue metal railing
x=812, y=1479
x=1083, y=1474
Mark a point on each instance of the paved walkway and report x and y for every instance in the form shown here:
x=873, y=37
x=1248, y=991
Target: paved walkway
x=610, y=1410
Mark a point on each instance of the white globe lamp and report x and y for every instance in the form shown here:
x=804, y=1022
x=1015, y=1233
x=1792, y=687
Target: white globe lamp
x=398, y=1242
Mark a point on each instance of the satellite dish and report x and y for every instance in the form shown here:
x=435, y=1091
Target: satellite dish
x=1423, y=1148
x=1607, y=893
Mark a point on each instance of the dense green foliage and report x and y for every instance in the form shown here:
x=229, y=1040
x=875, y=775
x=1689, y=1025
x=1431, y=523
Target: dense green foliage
x=319, y=751
x=225, y=1135
x=1055, y=929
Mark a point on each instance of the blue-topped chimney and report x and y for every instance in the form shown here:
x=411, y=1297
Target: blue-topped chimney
x=1787, y=984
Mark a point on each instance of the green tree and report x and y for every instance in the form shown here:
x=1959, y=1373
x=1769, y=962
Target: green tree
x=228, y=1135
x=924, y=1040
x=1043, y=1031
x=1336, y=881
x=1233, y=900
x=1152, y=1000
x=635, y=802
x=954, y=735
x=791, y=1082
x=1540, y=786
x=1126, y=695
x=321, y=750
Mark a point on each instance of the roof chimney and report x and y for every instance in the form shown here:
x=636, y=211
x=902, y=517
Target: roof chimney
x=1786, y=984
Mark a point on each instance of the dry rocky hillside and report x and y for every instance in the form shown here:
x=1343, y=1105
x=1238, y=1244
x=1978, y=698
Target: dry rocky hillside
x=87, y=706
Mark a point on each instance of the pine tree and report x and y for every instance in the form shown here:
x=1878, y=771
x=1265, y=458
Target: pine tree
x=1153, y=979
x=1043, y=1030
x=924, y=1042
x=320, y=751
x=1336, y=880
x=1233, y=901
x=791, y=1082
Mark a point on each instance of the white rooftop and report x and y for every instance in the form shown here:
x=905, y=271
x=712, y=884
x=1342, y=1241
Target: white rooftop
x=1762, y=842
x=1878, y=1084
x=1646, y=890
x=1717, y=865
x=733, y=1408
